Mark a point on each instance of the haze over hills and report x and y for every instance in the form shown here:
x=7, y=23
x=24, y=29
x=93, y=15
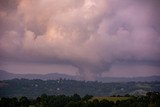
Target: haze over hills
x=4, y=75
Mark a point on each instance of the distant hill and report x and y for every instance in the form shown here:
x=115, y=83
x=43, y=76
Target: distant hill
x=36, y=87
x=129, y=79
x=4, y=75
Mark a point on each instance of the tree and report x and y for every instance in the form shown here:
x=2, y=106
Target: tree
x=4, y=102
x=14, y=102
x=96, y=103
x=24, y=102
x=73, y=104
x=87, y=97
x=75, y=98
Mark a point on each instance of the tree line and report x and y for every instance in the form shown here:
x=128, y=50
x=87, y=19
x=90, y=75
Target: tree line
x=152, y=99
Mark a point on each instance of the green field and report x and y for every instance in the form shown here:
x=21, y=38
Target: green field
x=114, y=99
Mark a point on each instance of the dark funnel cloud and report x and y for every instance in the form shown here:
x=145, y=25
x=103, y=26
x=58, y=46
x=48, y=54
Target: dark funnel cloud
x=94, y=37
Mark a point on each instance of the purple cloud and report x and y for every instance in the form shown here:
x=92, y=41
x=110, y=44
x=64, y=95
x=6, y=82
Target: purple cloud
x=90, y=35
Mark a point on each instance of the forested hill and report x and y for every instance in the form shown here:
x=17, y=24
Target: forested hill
x=34, y=88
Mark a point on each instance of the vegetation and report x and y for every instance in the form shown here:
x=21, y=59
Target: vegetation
x=34, y=88
x=114, y=99
x=152, y=99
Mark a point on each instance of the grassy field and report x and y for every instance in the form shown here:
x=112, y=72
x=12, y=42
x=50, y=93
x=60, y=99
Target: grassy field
x=114, y=99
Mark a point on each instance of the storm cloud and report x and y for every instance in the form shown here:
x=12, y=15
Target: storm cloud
x=91, y=35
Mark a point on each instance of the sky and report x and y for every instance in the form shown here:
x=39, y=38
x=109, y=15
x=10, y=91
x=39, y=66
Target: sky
x=90, y=38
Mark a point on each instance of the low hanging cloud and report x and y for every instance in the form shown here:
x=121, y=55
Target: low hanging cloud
x=88, y=34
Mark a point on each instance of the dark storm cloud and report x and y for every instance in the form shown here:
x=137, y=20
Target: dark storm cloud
x=91, y=35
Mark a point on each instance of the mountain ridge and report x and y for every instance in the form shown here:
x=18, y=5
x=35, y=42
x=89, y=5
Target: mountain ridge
x=4, y=75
